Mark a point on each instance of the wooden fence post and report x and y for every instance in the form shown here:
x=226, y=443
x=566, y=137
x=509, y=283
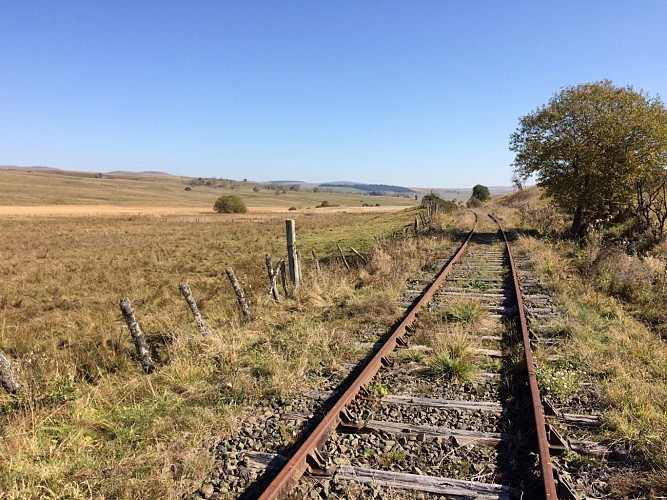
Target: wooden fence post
x=423, y=219
x=358, y=254
x=298, y=266
x=272, y=278
x=283, y=276
x=317, y=262
x=240, y=296
x=343, y=256
x=187, y=294
x=143, y=352
x=292, y=258
x=416, y=226
x=8, y=377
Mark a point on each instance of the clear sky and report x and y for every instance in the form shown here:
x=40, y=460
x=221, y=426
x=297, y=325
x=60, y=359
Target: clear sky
x=415, y=93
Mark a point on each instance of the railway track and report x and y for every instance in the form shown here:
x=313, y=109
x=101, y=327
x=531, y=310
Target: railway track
x=402, y=429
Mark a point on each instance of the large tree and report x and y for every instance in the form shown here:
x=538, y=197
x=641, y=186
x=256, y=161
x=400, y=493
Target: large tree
x=480, y=192
x=590, y=146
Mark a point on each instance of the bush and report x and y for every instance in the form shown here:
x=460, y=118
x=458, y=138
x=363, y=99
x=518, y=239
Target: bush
x=481, y=192
x=188, y=188
x=291, y=209
x=474, y=202
x=255, y=189
x=230, y=204
x=437, y=204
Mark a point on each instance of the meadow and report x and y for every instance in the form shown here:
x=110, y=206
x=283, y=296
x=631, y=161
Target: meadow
x=45, y=188
x=87, y=421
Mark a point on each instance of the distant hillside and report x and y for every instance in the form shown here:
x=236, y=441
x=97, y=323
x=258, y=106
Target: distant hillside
x=145, y=172
x=369, y=188
x=13, y=167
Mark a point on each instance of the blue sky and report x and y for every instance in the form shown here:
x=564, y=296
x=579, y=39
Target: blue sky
x=414, y=93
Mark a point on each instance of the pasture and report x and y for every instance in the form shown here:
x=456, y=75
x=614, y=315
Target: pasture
x=87, y=413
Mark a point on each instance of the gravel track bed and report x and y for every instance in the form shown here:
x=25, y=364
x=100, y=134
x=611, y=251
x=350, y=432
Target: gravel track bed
x=414, y=455
x=592, y=479
x=421, y=384
x=332, y=488
x=262, y=430
x=419, y=415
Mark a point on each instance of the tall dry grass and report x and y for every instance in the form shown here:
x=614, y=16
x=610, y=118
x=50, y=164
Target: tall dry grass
x=89, y=423
x=628, y=359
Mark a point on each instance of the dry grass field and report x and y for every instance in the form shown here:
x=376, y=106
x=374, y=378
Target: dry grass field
x=88, y=422
x=97, y=194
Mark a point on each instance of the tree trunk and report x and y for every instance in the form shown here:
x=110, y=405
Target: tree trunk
x=575, y=230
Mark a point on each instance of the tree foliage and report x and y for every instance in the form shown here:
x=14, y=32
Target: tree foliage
x=590, y=147
x=481, y=192
x=230, y=204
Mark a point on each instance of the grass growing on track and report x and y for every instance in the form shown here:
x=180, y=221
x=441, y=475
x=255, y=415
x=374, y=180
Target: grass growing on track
x=89, y=423
x=628, y=360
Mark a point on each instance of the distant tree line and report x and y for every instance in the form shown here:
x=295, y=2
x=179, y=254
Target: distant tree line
x=376, y=189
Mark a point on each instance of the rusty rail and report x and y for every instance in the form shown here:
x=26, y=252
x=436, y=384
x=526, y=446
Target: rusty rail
x=538, y=412
x=306, y=456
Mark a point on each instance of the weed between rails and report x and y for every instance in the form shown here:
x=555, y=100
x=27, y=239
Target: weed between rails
x=465, y=311
x=453, y=358
x=89, y=423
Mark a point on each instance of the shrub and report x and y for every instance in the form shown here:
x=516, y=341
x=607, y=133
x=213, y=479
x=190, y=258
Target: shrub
x=188, y=188
x=481, y=192
x=474, y=202
x=437, y=204
x=255, y=189
x=230, y=204
x=326, y=204
x=291, y=209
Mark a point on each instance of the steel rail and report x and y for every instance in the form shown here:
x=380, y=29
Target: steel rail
x=299, y=462
x=538, y=412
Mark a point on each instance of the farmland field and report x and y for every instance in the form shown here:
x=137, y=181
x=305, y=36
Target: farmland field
x=86, y=412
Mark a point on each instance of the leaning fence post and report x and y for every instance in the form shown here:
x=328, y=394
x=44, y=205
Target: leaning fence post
x=283, y=276
x=143, y=352
x=416, y=226
x=291, y=253
x=272, y=278
x=358, y=254
x=240, y=296
x=8, y=377
x=317, y=262
x=343, y=256
x=187, y=295
x=423, y=219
